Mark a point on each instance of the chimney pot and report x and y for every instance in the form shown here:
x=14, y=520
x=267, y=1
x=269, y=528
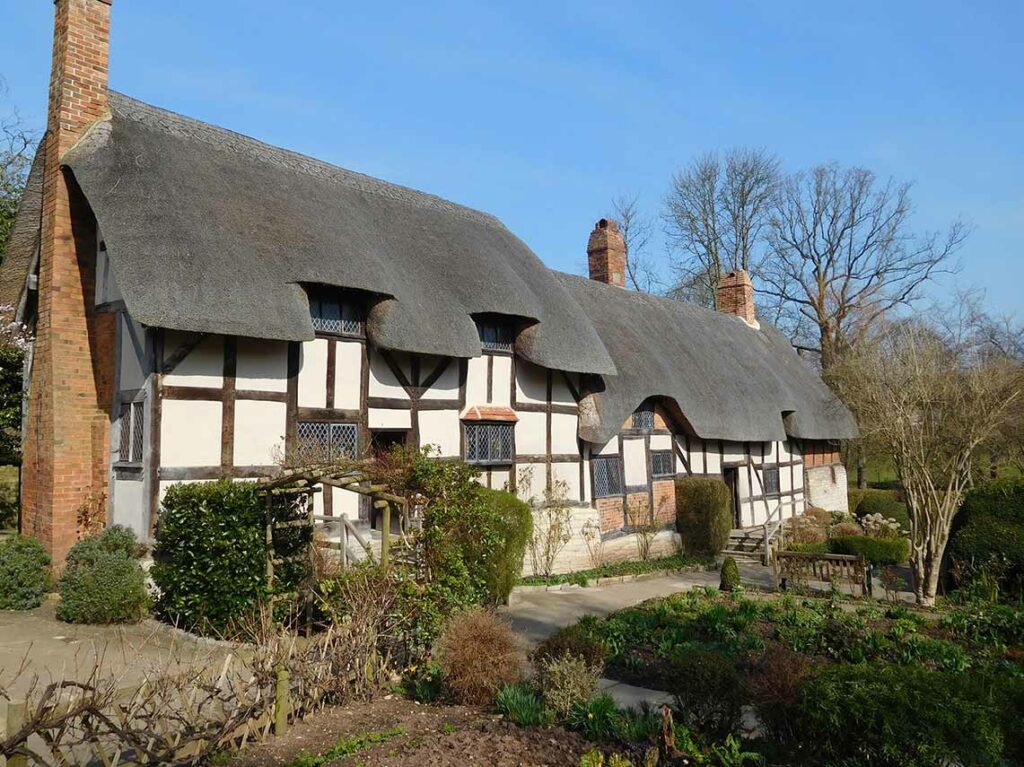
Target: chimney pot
x=606, y=253
x=736, y=296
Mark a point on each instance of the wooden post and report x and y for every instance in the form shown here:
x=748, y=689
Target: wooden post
x=269, y=537
x=385, y=537
x=282, y=701
x=15, y=720
x=344, y=541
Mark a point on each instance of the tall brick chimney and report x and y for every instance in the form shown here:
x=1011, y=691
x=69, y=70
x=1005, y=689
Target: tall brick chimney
x=606, y=253
x=736, y=296
x=67, y=441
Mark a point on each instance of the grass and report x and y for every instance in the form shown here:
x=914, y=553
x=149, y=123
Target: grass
x=346, y=747
x=616, y=569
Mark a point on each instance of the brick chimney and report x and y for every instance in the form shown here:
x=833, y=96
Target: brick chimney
x=67, y=441
x=606, y=254
x=736, y=296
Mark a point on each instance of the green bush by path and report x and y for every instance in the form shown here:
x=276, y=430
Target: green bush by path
x=210, y=554
x=617, y=569
x=988, y=535
x=513, y=521
x=878, y=551
x=703, y=514
x=888, y=503
x=110, y=588
x=24, y=573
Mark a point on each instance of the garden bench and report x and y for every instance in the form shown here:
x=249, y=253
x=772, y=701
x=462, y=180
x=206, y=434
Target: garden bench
x=802, y=567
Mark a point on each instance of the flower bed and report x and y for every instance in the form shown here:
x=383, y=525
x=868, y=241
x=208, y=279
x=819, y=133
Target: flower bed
x=618, y=569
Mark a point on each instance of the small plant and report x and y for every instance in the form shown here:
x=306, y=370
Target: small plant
x=423, y=682
x=644, y=524
x=573, y=641
x=591, y=534
x=346, y=747
x=552, y=529
x=522, y=705
x=595, y=758
x=731, y=754
x=478, y=653
x=730, y=579
x=597, y=720
x=24, y=573
x=567, y=682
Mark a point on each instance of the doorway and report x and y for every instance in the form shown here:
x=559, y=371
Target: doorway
x=731, y=476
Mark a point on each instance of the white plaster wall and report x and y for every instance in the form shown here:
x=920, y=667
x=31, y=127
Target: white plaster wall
x=732, y=452
x=560, y=393
x=696, y=455
x=384, y=418
x=440, y=428
x=383, y=382
x=531, y=382
x=611, y=447
x=259, y=432
x=500, y=478
x=635, y=462
x=570, y=474
x=661, y=442
x=203, y=366
x=586, y=474
x=531, y=479
x=348, y=362
x=476, y=381
x=313, y=374
x=129, y=507
x=826, y=487
x=447, y=386
x=713, y=465
x=261, y=365
x=563, y=433
x=501, y=382
x=531, y=434
x=190, y=433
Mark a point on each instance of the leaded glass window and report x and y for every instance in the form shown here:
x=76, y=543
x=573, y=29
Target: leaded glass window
x=322, y=440
x=661, y=463
x=496, y=336
x=771, y=480
x=489, y=443
x=132, y=437
x=607, y=476
x=643, y=417
x=332, y=315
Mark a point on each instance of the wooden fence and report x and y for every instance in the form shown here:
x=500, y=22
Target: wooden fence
x=799, y=568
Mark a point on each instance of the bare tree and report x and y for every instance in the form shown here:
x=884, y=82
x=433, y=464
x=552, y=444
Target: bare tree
x=931, y=408
x=715, y=215
x=17, y=145
x=841, y=256
x=641, y=273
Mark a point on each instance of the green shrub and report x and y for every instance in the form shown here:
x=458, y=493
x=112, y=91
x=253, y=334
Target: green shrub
x=513, y=520
x=878, y=551
x=521, y=705
x=576, y=640
x=904, y=716
x=888, y=503
x=567, y=682
x=102, y=587
x=854, y=496
x=116, y=539
x=988, y=537
x=8, y=504
x=210, y=554
x=24, y=573
x=730, y=578
x=703, y=514
x=598, y=719
x=708, y=691
x=820, y=547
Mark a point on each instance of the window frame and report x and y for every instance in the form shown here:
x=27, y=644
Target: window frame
x=661, y=454
x=647, y=413
x=133, y=414
x=330, y=429
x=348, y=311
x=616, y=461
x=471, y=443
x=773, y=471
x=504, y=336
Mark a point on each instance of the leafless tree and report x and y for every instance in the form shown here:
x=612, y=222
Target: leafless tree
x=17, y=145
x=715, y=216
x=932, y=408
x=641, y=272
x=841, y=256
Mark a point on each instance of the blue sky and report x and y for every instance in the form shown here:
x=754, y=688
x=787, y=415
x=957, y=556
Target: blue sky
x=541, y=112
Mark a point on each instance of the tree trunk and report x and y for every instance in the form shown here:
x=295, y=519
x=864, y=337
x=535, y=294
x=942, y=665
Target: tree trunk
x=926, y=578
x=862, y=470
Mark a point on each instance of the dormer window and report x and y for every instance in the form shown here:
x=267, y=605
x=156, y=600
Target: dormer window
x=643, y=417
x=495, y=336
x=333, y=314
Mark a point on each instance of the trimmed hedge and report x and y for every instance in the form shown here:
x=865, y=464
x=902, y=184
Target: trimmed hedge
x=513, y=519
x=990, y=529
x=24, y=573
x=888, y=503
x=703, y=514
x=210, y=554
x=878, y=551
x=730, y=576
x=102, y=582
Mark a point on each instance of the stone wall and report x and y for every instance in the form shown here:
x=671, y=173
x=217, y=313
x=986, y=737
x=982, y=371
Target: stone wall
x=826, y=487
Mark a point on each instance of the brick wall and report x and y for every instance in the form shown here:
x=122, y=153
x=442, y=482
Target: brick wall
x=736, y=295
x=67, y=444
x=606, y=254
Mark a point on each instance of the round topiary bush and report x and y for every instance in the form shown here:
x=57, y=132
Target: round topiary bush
x=103, y=587
x=24, y=573
x=730, y=579
x=703, y=514
x=512, y=522
x=478, y=654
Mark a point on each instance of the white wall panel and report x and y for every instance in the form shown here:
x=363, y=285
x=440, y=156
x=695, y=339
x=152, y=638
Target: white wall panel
x=563, y=434
x=499, y=478
x=661, y=442
x=447, y=386
x=383, y=382
x=531, y=479
x=130, y=507
x=190, y=433
x=440, y=428
x=382, y=418
x=476, y=381
x=203, y=366
x=560, y=393
x=531, y=434
x=501, y=381
x=259, y=432
x=611, y=447
x=713, y=464
x=732, y=452
x=635, y=462
x=696, y=456
x=348, y=362
x=261, y=365
x=531, y=382
x=570, y=474
x=313, y=373
x=345, y=502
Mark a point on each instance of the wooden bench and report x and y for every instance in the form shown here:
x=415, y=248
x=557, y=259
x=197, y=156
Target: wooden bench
x=800, y=567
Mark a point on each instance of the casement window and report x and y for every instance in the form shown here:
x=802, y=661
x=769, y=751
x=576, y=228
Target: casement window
x=770, y=477
x=607, y=475
x=495, y=336
x=133, y=424
x=322, y=440
x=335, y=316
x=489, y=443
x=643, y=417
x=662, y=464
